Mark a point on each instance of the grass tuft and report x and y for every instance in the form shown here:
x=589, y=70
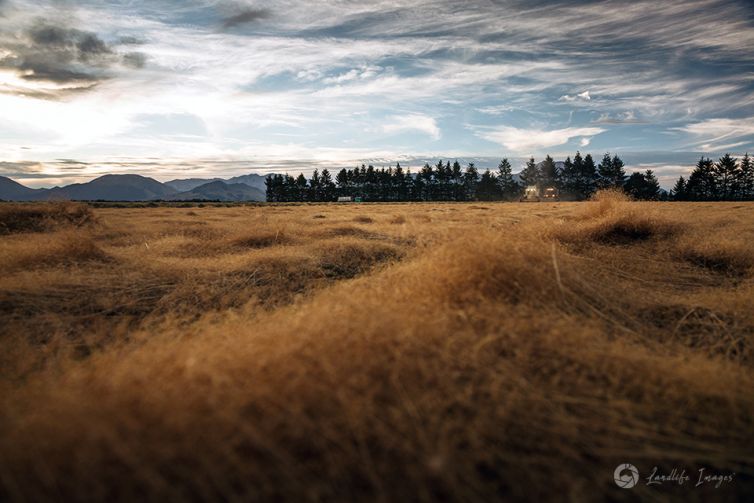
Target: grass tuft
x=43, y=217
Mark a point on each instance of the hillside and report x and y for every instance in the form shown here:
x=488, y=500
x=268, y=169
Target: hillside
x=221, y=191
x=252, y=180
x=140, y=188
x=189, y=184
x=11, y=190
x=111, y=188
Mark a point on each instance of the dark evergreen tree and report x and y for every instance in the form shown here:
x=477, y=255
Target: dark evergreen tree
x=456, y=180
x=569, y=178
x=470, y=181
x=290, y=189
x=702, y=183
x=343, y=182
x=370, y=184
x=679, y=192
x=652, y=186
x=400, y=190
x=427, y=182
x=587, y=178
x=408, y=186
x=487, y=188
x=315, y=191
x=610, y=172
x=746, y=179
x=549, y=174
x=619, y=173
x=418, y=188
x=273, y=186
x=726, y=176
x=530, y=175
x=643, y=186
x=635, y=185
x=605, y=172
x=508, y=187
x=327, y=186
x=302, y=188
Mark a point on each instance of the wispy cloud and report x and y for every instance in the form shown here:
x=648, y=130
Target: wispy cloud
x=534, y=140
x=721, y=133
x=578, y=97
x=412, y=122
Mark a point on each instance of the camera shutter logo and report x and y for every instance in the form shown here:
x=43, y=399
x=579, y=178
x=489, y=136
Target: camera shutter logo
x=626, y=476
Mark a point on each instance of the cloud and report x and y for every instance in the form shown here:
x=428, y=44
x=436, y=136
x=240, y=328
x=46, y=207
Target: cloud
x=495, y=109
x=365, y=72
x=627, y=117
x=579, y=97
x=135, y=59
x=720, y=133
x=245, y=17
x=130, y=40
x=412, y=122
x=532, y=140
x=70, y=59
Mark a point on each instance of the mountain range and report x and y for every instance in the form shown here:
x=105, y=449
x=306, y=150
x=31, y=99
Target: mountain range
x=187, y=184
x=140, y=188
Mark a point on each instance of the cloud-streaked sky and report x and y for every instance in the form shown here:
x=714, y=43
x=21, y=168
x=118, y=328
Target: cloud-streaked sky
x=220, y=87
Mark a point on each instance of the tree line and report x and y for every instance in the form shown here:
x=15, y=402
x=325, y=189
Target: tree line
x=728, y=179
x=576, y=179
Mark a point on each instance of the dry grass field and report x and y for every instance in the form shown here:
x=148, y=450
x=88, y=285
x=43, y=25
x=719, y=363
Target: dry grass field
x=468, y=352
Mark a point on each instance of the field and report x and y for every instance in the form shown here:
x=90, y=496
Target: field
x=475, y=351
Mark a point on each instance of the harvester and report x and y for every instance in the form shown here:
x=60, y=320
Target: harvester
x=533, y=193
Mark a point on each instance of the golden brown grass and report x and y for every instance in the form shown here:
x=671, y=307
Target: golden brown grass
x=461, y=352
x=43, y=216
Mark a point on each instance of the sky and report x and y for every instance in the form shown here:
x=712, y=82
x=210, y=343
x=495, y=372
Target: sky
x=204, y=88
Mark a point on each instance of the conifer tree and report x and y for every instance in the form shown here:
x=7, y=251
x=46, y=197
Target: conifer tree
x=327, y=186
x=487, y=188
x=610, y=172
x=568, y=177
x=587, y=177
x=272, y=186
x=408, y=186
x=605, y=172
x=549, y=175
x=619, y=173
x=726, y=176
x=427, y=182
x=746, y=179
x=643, y=185
x=679, y=190
x=508, y=187
x=302, y=188
x=343, y=182
x=470, y=181
x=456, y=179
x=702, y=183
x=398, y=183
x=652, y=186
x=530, y=175
x=315, y=192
